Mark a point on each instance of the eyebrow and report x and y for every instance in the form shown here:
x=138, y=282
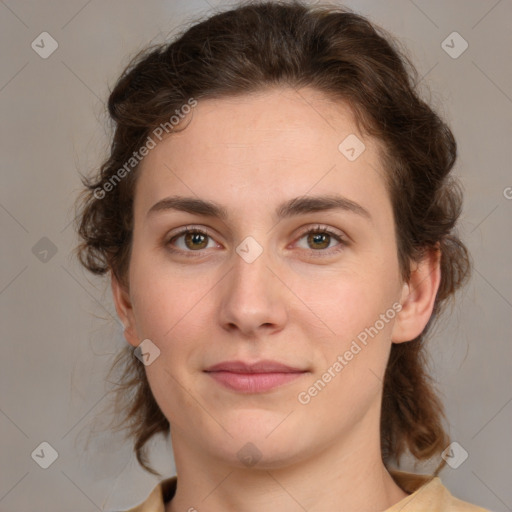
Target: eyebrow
x=290, y=208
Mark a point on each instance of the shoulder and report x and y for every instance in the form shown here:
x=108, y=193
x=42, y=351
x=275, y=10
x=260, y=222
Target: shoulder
x=428, y=494
x=158, y=497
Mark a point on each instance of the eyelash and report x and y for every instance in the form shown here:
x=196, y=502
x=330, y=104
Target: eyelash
x=318, y=229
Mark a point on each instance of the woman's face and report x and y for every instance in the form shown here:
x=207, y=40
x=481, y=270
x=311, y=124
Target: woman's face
x=256, y=174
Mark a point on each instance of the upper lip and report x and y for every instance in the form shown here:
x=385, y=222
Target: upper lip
x=264, y=366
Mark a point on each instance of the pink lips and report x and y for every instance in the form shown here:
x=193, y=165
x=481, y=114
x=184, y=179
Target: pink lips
x=253, y=378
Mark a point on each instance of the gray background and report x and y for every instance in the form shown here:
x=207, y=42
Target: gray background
x=58, y=328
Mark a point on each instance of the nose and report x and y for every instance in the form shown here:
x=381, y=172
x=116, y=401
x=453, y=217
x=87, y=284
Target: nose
x=253, y=299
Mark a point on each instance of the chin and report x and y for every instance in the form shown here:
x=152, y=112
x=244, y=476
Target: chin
x=261, y=448
x=259, y=456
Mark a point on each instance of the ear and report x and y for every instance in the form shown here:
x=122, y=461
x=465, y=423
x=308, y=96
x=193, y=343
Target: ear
x=418, y=297
x=124, y=310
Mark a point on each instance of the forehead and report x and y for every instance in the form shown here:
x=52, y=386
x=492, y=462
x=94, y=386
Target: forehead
x=252, y=147
x=279, y=119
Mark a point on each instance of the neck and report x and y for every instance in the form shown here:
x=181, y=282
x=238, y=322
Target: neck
x=343, y=476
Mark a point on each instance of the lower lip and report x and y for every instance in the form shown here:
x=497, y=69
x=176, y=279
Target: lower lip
x=253, y=382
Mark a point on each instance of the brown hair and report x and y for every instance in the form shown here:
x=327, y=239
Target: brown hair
x=342, y=54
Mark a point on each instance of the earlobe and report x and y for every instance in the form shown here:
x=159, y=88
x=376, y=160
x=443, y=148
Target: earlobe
x=418, y=297
x=124, y=310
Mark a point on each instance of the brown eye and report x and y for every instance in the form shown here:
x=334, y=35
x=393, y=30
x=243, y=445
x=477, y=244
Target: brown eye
x=319, y=240
x=196, y=240
x=322, y=241
x=191, y=240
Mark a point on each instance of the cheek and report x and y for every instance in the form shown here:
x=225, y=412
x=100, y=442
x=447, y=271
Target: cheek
x=163, y=307
x=350, y=363
x=171, y=307
x=342, y=304
x=173, y=313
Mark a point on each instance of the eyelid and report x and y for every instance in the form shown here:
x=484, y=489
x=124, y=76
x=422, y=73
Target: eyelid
x=189, y=227
x=323, y=229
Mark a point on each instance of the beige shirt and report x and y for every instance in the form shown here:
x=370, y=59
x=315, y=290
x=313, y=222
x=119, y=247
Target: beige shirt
x=427, y=494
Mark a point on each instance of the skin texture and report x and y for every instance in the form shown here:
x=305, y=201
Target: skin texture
x=296, y=303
